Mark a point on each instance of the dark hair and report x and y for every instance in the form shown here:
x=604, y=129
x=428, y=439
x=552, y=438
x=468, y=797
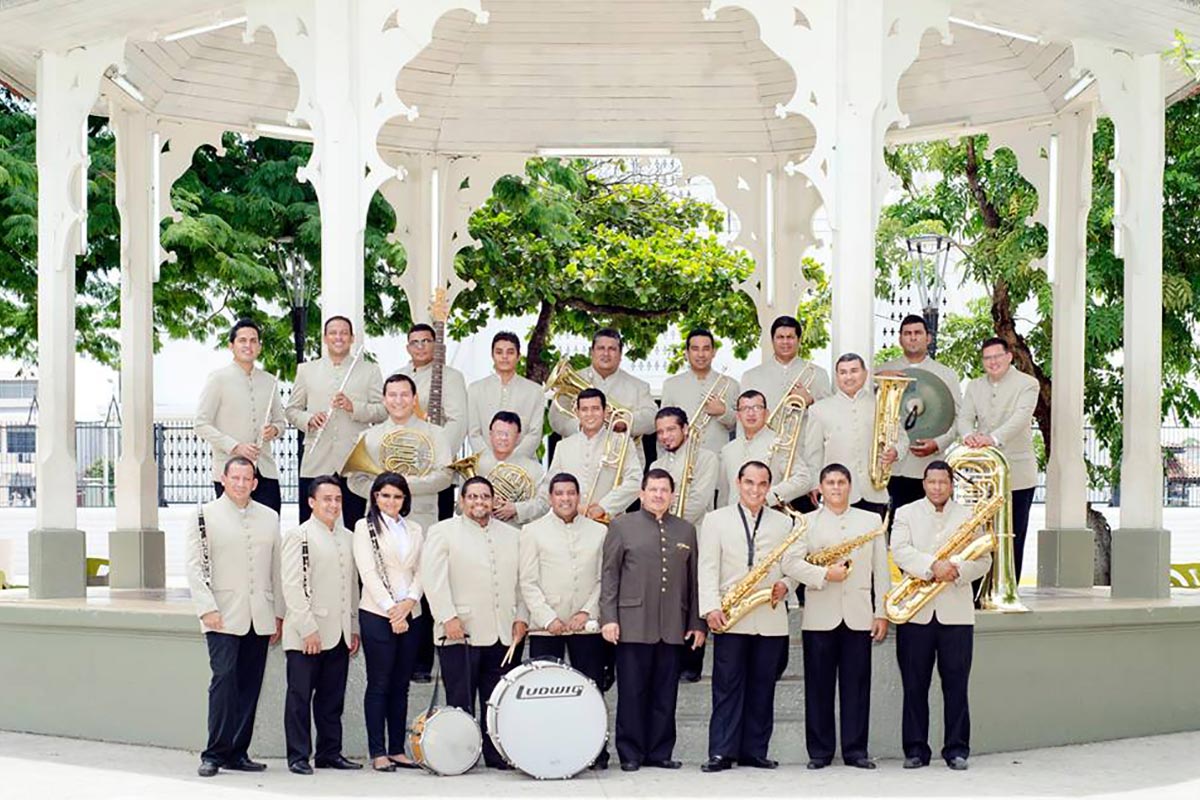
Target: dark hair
x=564, y=477
x=846, y=358
x=589, y=393
x=672, y=411
x=609, y=333
x=914, y=319
x=335, y=318
x=396, y=481
x=239, y=461
x=742, y=469
x=506, y=336
x=400, y=377
x=469, y=482
x=698, y=332
x=992, y=341
x=505, y=416
x=322, y=480
x=787, y=322
x=657, y=474
x=832, y=468
x=939, y=464
x=749, y=394
x=244, y=323
x=423, y=326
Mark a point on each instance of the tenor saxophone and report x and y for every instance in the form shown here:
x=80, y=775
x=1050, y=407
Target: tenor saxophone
x=745, y=596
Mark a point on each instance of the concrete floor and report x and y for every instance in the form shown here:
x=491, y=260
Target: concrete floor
x=1163, y=767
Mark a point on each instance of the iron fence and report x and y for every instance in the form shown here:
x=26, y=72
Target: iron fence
x=185, y=465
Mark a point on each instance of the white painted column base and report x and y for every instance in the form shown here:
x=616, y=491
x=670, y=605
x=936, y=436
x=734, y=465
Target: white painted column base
x=57, y=563
x=137, y=558
x=1066, y=558
x=1141, y=563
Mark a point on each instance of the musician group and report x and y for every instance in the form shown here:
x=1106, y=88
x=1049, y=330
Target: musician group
x=626, y=551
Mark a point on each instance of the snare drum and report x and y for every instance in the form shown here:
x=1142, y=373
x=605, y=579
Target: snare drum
x=547, y=720
x=445, y=740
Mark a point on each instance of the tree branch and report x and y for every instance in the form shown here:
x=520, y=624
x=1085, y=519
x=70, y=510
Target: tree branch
x=991, y=217
x=602, y=308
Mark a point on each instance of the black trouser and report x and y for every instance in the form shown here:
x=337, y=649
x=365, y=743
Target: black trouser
x=841, y=659
x=354, y=507
x=1022, y=499
x=647, y=688
x=266, y=492
x=237, y=664
x=422, y=629
x=587, y=651
x=745, y=669
x=917, y=647
x=472, y=672
x=390, y=658
x=903, y=491
x=880, y=509
x=316, y=692
x=691, y=662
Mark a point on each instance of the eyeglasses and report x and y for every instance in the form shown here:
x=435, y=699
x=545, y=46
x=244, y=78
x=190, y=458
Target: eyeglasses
x=758, y=407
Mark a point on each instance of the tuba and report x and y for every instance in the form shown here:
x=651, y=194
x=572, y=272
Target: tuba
x=887, y=425
x=509, y=481
x=403, y=450
x=745, y=596
x=565, y=383
x=616, y=448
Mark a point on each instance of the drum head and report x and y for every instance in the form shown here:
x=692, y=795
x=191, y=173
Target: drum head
x=550, y=721
x=450, y=742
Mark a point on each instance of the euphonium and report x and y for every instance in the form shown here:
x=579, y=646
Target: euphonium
x=616, y=448
x=837, y=553
x=403, y=450
x=887, y=426
x=566, y=383
x=509, y=481
x=745, y=596
x=912, y=594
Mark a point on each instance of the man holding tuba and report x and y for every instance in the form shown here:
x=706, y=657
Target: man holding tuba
x=757, y=442
x=750, y=654
x=942, y=631
x=709, y=399
x=842, y=429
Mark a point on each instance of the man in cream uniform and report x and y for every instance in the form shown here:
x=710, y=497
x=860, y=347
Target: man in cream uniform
x=749, y=656
x=688, y=390
x=942, y=631
x=470, y=567
x=399, y=398
x=240, y=414
x=233, y=573
x=672, y=429
x=580, y=456
x=756, y=442
x=906, y=484
x=840, y=430
x=320, y=631
x=776, y=376
x=333, y=402
x=618, y=386
x=454, y=385
x=560, y=584
x=503, y=434
x=997, y=411
x=505, y=390
x=840, y=622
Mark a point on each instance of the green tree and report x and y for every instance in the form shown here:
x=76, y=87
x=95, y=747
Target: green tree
x=580, y=245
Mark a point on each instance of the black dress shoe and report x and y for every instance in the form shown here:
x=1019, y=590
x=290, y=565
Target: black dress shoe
x=915, y=762
x=601, y=761
x=300, y=768
x=421, y=677
x=244, y=764
x=760, y=763
x=338, y=762
x=208, y=768
x=860, y=763
x=668, y=763
x=956, y=763
x=815, y=764
x=630, y=766
x=717, y=764
x=691, y=676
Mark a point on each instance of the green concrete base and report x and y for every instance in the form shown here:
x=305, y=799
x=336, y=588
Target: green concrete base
x=137, y=559
x=57, y=563
x=1066, y=558
x=1141, y=563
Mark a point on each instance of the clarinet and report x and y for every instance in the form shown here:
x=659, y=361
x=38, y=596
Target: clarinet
x=304, y=567
x=379, y=567
x=205, y=555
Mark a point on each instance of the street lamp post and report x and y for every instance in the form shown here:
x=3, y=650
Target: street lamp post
x=929, y=254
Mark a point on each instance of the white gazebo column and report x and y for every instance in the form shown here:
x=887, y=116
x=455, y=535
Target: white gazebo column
x=1131, y=92
x=1066, y=551
x=67, y=88
x=136, y=547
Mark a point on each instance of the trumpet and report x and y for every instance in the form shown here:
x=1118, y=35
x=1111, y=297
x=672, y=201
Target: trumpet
x=700, y=418
x=341, y=388
x=887, y=426
x=616, y=448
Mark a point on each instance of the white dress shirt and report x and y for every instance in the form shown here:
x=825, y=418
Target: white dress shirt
x=400, y=543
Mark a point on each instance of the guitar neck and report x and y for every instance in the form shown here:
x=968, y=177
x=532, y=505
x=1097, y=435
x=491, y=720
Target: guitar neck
x=435, y=412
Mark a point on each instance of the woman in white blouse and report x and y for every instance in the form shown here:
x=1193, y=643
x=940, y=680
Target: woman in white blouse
x=387, y=548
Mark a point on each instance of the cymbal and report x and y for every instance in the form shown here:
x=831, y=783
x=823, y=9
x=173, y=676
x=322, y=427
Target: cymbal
x=927, y=406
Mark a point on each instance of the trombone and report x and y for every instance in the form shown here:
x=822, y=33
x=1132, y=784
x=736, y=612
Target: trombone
x=616, y=448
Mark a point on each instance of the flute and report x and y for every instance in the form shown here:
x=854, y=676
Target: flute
x=341, y=387
x=259, y=442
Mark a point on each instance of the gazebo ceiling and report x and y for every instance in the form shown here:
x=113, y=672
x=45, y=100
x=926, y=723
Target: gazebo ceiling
x=620, y=73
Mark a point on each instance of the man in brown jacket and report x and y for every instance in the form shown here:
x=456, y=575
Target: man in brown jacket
x=649, y=604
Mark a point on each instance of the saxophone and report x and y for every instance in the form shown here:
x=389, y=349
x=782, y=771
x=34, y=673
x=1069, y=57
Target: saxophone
x=837, y=553
x=744, y=596
x=887, y=425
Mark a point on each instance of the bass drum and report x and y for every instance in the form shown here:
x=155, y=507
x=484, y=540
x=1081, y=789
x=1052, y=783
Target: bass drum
x=547, y=720
x=445, y=740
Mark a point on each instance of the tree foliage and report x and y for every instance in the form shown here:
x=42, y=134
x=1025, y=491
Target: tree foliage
x=575, y=243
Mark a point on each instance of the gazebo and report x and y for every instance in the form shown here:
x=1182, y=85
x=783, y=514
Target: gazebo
x=785, y=105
